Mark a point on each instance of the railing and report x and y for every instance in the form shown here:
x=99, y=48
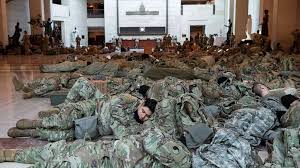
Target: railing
x=95, y=13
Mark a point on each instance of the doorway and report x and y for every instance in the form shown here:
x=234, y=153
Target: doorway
x=197, y=29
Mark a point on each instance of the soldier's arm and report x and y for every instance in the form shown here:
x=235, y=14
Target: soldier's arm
x=120, y=119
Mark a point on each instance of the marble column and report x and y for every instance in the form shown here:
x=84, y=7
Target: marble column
x=37, y=8
x=240, y=19
x=3, y=23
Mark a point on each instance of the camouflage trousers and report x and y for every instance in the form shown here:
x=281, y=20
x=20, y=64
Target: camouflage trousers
x=80, y=102
x=286, y=149
x=99, y=68
x=66, y=66
x=227, y=149
x=153, y=149
x=44, y=85
x=60, y=126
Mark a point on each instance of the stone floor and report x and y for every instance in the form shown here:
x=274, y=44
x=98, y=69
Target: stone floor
x=12, y=106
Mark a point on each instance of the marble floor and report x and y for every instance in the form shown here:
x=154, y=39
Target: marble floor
x=12, y=106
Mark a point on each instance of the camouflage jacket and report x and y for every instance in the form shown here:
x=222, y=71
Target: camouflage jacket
x=116, y=116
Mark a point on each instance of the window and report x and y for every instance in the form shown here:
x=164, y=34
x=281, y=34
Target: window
x=56, y=2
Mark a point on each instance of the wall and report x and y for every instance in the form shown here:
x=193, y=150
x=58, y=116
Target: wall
x=76, y=16
x=254, y=10
x=95, y=22
x=203, y=15
x=18, y=11
x=286, y=22
x=110, y=14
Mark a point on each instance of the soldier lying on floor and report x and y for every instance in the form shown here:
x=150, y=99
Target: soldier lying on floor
x=120, y=115
x=152, y=148
x=41, y=86
x=66, y=66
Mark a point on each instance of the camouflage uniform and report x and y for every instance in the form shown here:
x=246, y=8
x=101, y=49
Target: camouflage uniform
x=80, y=102
x=252, y=124
x=66, y=66
x=227, y=149
x=115, y=114
x=41, y=86
x=153, y=149
x=99, y=68
x=231, y=145
x=286, y=149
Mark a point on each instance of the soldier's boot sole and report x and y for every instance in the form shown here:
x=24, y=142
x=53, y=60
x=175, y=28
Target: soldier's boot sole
x=2, y=156
x=18, y=84
x=48, y=113
x=10, y=155
x=28, y=124
x=15, y=132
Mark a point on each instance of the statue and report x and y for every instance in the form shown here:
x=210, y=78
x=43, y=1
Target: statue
x=16, y=35
x=136, y=43
x=229, y=32
x=249, y=27
x=78, y=39
x=158, y=43
x=197, y=39
x=36, y=24
x=296, y=43
x=74, y=35
x=48, y=27
x=169, y=40
x=211, y=40
x=120, y=42
x=265, y=27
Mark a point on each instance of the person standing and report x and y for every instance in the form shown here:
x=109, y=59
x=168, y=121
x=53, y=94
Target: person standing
x=78, y=39
x=265, y=27
x=26, y=43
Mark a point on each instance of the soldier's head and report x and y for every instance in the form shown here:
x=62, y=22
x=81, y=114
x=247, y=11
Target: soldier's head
x=146, y=109
x=260, y=89
x=289, y=100
x=143, y=90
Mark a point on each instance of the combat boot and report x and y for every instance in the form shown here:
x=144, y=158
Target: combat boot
x=28, y=124
x=10, y=155
x=48, y=113
x=17, y=83
x=15, y=132
x=26, y=89
x=28, y=95
x=2, y=156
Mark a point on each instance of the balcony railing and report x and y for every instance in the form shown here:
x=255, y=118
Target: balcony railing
x=95, y=13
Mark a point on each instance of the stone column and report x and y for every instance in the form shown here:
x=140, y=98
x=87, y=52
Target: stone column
x=240, y=19
x=3, y=23
x=37, y=8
